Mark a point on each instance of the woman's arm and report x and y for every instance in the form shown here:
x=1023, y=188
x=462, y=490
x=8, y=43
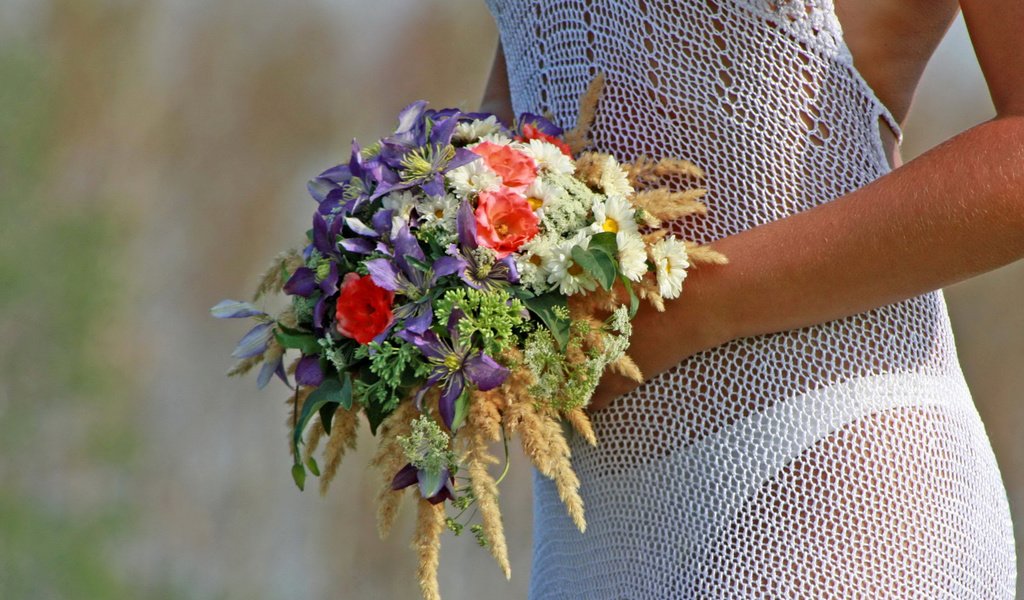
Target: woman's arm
x=954, y=212
x=496, y=95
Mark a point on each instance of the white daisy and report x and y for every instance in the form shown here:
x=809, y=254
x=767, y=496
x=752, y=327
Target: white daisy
x=401, y=202
x=496, y=138
x=548, y=157
x=632, y=255
x=470, y=131
x=472, y=178
x=439, y=210
x=614, y=214
x=542, y=193
x=530, y=263
x=563, y=271
x=613, y=178
x=671, y=262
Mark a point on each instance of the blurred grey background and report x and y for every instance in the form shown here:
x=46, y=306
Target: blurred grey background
x=152, y=159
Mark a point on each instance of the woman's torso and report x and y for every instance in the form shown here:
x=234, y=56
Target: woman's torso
x=735, y=458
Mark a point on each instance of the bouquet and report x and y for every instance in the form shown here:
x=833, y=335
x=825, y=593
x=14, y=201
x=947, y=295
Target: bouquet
x=465, y=281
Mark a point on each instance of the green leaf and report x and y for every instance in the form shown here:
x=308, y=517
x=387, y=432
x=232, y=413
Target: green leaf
x=299, y=475
x=604, y=241
x=543, y=306
x=598, y=263
x=331, y=391
x=327, y=415
x=290, y=338
x=312, y=466
x=634, y=302
x=419, y=264
x=375, y=414
x=461, y=409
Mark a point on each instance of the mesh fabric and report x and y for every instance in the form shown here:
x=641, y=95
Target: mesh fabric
x=844, y=459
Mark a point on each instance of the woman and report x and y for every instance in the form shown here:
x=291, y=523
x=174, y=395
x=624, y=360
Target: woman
x=805, y=430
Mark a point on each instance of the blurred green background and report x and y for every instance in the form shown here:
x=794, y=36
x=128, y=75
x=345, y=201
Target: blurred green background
x=152, y=159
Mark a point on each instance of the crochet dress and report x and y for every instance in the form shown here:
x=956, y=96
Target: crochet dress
x=841, y=460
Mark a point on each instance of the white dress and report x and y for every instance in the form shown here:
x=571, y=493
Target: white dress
x=842, y=460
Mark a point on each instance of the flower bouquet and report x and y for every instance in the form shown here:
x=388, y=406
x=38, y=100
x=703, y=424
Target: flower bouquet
x=464, y=282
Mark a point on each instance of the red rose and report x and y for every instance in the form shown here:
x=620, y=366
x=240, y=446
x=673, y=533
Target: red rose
x=530, y=132
x=516, y=169
x=364, y=308
x=504, y=221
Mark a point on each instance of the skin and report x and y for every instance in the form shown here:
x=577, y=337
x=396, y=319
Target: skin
x=952, y=213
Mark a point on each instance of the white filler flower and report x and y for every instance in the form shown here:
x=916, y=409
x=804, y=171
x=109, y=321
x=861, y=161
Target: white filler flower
x=671, y=262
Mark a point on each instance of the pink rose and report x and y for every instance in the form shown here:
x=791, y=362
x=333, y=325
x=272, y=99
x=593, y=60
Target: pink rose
x=504, y=221
x=517, y=170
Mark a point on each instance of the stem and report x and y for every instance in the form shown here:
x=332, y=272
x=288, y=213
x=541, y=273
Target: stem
x=504, y=472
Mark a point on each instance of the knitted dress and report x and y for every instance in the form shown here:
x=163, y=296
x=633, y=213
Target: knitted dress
x=841, y=460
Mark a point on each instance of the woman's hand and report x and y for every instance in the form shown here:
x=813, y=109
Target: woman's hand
x=690, y=324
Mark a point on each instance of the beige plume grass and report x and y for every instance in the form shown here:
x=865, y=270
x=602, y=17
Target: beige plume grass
x=485, y=491
x=667, y=205
x=388, y=459
x=580, y=422
x=543, y=442
x=245, y=365
x=344, y=430
x=426, y=541
x=313, y=438
x=647, y=289
x=704, y=254
x=579, y=137
x=626, y=367
x=278, y=272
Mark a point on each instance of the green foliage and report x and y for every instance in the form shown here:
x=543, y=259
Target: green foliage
x=392, y=367
x=491, y=316
x=562, y=382
x=552, y=310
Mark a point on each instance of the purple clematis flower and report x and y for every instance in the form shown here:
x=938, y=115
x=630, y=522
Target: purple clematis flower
x=540, y=123
x=456, y=364
x=254, y=342
x=402, y=273
x=435, y=487
x=421, y=151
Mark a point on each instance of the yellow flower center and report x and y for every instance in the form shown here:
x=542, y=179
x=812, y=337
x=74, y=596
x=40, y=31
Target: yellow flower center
x=610, y=224
x=451, y=362
x=536, y=260
x=575, y=270
x=535, y=203
x=501, y=229
x=439, y=213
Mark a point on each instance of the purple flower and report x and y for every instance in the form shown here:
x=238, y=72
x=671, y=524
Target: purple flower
x=435, y=487
x=478, y=273
x=403, y=272
x=256, y=340
x=456, y=364
x=421, y=151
